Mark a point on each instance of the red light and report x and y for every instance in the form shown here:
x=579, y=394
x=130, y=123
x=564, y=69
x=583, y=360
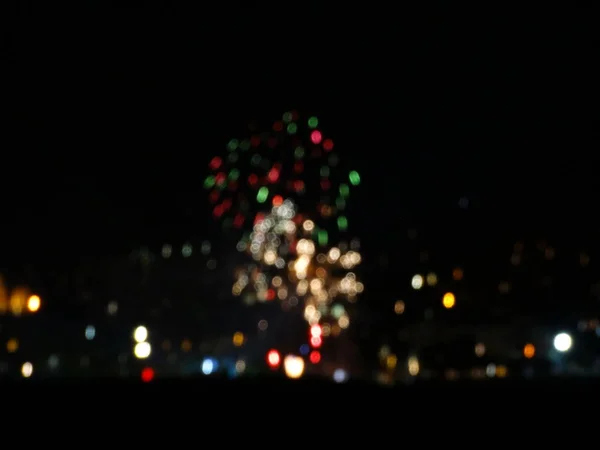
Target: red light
x=215, y=163
x=278, y=126
x=270, y=295
x=238, y=221
x=252, y=180
x=273, y=358
x=277, y=200
x=325, y=185
x=315, y=357
x=273, y=175
x=327, y=145
x=316, y=331
x=147, y=374
x=218, y=211
x=315, y=341
x=255, y=141
x=220, y=178
x=316, y=137
x=214, y=196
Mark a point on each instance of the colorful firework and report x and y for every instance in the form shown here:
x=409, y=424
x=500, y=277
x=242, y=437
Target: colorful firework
x=294, y=160
x=291, y=204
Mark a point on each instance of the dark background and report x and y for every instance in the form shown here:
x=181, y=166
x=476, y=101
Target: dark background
x=110, y=119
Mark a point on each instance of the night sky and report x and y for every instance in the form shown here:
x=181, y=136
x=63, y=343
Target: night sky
x=111, y=124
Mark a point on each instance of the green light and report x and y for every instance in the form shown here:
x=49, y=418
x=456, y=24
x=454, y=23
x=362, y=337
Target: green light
x=232, y=157
x=233, y=145
x=292, y=128
x=313, y=122
x=263, y=194
x=342, y=223
x=340, y=203
x=354, y=178
x=245, y=145
x=322, y=237
x=287, y=117
x=209, y=182
x=344, y=190
x=299, y=152
x=234, y=174
x=324, y=171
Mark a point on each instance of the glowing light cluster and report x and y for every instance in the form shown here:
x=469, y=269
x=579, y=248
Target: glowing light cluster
x=292, y=160
x=291, y=205
x=289, y=267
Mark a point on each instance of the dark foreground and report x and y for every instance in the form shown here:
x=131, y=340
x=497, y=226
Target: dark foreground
x=255, y=409
x=274, y=386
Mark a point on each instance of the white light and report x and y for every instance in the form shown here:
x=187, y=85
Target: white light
x=563, y=342
x=142, y=350
x=417, y=282
x=140, y=334
x=340, y=375
x=293, y=366
x=27, y=369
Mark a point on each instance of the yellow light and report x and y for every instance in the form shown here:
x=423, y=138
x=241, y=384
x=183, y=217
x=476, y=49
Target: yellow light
x=142, y=350
x=27, y=369
x=18, y=300
x=391, y=361
x=449, y=300
x=413, y=366
x=34, y=303
x=12, y=345
x=293, y=366
x=238, y=339
x=501, y=371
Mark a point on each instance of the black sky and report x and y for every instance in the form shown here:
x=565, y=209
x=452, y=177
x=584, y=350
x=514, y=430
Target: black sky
x=111, y=122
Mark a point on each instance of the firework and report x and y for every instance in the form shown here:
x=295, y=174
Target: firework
x=285, y=189
x=294, y=160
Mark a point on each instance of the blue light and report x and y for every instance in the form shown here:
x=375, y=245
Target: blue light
x=304, y=349
x=209, y=366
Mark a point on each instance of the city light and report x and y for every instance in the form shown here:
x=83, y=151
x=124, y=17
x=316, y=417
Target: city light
x=27, y=370
x=563, y=342
x=140, y=334
x=273, y=358
x=33, y=303
x=293, y=366
x=142, y=350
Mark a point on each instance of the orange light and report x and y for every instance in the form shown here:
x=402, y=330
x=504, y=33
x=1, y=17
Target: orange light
x=277, y=200
x=273, y=358
x=529, y=351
